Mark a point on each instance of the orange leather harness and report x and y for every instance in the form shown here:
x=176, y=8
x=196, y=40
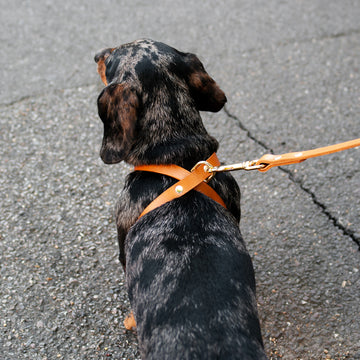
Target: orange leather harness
x=188, y=181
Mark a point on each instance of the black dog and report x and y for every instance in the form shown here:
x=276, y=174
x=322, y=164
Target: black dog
x=189, y=277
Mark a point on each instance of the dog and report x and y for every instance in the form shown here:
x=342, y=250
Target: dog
x=189, y=276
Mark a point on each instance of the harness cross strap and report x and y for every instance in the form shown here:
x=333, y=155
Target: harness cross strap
x=187, y=181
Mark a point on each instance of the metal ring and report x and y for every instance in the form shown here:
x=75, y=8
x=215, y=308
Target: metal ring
x=207, y=168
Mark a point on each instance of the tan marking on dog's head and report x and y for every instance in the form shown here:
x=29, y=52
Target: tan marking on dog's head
x=100, y=58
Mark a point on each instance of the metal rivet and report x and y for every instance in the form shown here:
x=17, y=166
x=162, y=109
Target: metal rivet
x=179, y=189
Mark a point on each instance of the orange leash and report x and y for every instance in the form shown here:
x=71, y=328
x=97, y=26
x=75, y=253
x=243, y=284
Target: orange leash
x=268, y=161
x=296, y=157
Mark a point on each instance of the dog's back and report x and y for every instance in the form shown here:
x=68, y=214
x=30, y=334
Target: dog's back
x=191, y=282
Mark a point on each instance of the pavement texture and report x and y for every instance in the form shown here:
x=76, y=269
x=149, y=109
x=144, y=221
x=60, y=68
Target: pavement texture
x=291, y=72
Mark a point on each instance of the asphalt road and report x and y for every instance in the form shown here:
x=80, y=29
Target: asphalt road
x=291, y=72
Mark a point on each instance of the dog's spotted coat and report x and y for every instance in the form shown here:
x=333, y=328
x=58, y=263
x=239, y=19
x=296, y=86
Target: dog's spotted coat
x=189, y=276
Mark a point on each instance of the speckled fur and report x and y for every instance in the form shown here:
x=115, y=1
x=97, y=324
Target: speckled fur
x=189, y=276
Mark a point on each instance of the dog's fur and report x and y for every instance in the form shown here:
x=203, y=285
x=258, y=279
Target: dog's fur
x=189, y=276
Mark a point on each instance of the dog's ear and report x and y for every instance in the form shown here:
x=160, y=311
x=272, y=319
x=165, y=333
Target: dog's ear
x=205, y=91
x=118, y=107
x=100, y=58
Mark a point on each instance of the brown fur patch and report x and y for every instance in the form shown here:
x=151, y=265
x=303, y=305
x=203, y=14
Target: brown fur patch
x=200, y=80
x=101, y=68
x=100, y=60
x=117, y=106
x=208, y=95
x=130, y=322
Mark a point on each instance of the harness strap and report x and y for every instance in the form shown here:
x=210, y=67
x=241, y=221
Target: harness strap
x=188, y=181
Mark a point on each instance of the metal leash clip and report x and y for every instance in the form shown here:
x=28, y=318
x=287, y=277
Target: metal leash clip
x=246, y=165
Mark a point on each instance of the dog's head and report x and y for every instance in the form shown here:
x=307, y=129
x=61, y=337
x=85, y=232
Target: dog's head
x=152, y=100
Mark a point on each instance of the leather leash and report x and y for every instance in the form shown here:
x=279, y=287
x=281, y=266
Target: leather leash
x=268, y=161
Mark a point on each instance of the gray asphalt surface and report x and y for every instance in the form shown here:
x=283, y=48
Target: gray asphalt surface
x=291, y=72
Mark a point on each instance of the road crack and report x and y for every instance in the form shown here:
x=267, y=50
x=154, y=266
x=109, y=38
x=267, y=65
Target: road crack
x=336, y=223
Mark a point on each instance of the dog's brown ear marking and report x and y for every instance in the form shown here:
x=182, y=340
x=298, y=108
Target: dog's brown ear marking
x=205, y=91
x=100, y=58
x=101, y=68
x=118, y=108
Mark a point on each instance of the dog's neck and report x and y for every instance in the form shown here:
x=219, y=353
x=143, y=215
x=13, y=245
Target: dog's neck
x=184, y=151
x=178, y=138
